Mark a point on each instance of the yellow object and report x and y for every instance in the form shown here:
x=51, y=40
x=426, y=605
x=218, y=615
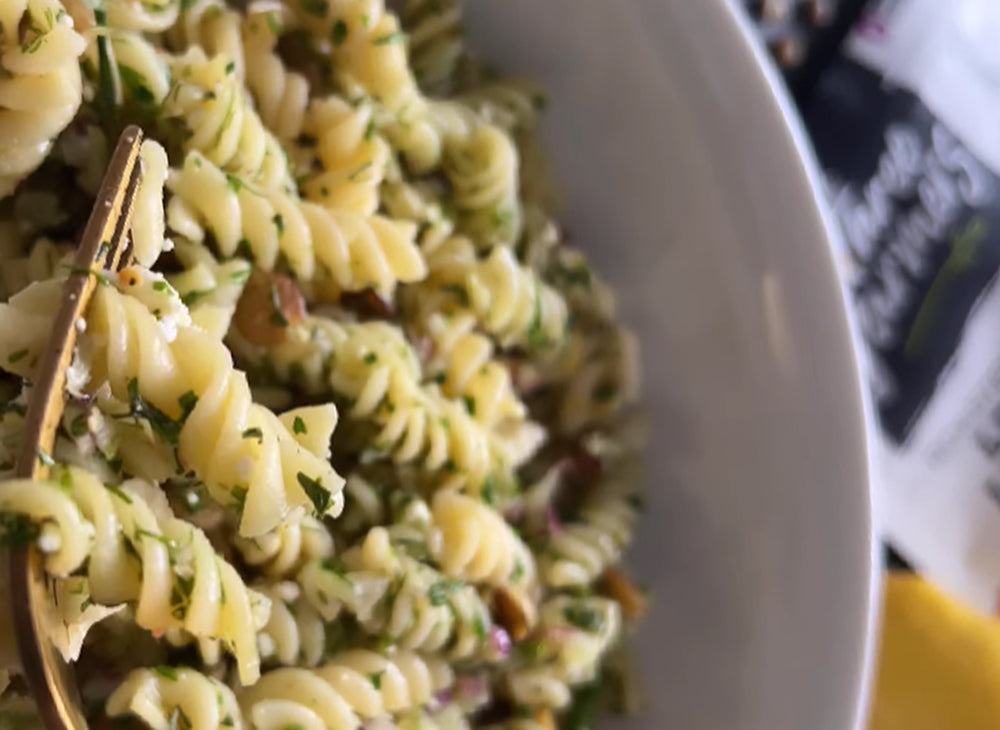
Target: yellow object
x=940, y=662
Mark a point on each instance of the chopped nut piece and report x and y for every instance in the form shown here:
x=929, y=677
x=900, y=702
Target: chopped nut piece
x=514, y=612
x=618, y=586
x=270, y=303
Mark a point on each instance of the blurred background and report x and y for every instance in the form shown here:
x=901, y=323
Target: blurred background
x=901, y=99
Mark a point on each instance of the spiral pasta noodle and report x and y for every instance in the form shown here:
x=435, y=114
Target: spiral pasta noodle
x=178, y=581
x=358, y=685
x=295, y=634
x=283, y=551
x=240, y=450
x=435, y=38
x=579, y=553
x=351, y=251
x=211, y=102
x=212, y=26
x=478, y=545
x=175, y=697
x=464, y=363
x=41, y=88
x=282, y=95
x=141, y=68
x=573, y=636
x=393, y=594
x=352, y=157
x=151, y=16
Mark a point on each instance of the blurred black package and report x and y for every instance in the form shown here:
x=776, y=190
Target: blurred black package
x=906, y=125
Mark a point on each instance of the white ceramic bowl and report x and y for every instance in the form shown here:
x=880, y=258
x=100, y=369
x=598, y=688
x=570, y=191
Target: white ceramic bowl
x=686, y=175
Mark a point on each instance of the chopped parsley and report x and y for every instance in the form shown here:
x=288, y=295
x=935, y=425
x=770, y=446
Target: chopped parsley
x=187, y=402
x=537, y=338
x=298, y=425
x=370, y=130
x=135, y=82
x=279, y=223
x=371, y=358
x=239, y=498
x=17, y=356
x=233, y=183
x=316, y=8
x=470, y=404
x=316, y=492
x=254, y=433
x=160, y=285
x=230, y=67
x=457, y=290
x=194, y=296
x=584, y=618
x=78, y=426
x=604, y=392
x=17, y=530
x=357, y=173
x=518, y=572
x=117, y=491
x=398, y=37
x=439, y=592
x=162, y=425
x=489, y=491
x=167, y=673
x=339, y=34
x=480, y=626
x=376, y=679
x=179, y=720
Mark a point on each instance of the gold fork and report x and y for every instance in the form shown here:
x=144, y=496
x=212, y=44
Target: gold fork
x=101, y=248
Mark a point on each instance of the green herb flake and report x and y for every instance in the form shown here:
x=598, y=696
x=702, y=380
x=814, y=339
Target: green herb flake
x=376, y=679
x=240, y=277
x=397, y=37
x=17, y=356
x=298, y=425
x=358, y=172
x=193, y=297
x=604, y=392
x=502, y=217
x=339, y=34
x=17, y=530
x=254, y=433
x=117, y=491
x=370, y=130
x=489, y=491
x=438, y=593
x=537, y=339
x=470, y=404
x=78, y=426
x=239, y=498
x=135, y=82
x=518, y=572
x=231, y=67
x=167, y=673
x=479, y=624
x=317, y=493
x=315, y=8
x=233, y=183
x=584, y=618
x=586, y=702
x=162, y=425
x=160, y=285
x=458, y=291
x=179, y=720
x=272, y=23
x=187, y=402
x=371, y=358
x=279, y=223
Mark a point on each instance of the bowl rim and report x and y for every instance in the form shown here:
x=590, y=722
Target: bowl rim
x=759, y=69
